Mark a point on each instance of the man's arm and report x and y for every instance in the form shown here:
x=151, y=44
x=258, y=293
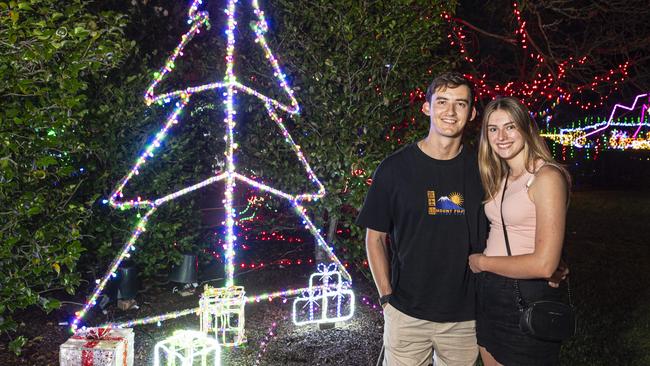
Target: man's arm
x=377, y=251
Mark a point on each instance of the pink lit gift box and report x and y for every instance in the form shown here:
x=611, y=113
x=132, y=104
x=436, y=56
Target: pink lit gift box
x=98, y=347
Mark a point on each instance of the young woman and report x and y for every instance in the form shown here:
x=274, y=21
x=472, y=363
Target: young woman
x=513, y=156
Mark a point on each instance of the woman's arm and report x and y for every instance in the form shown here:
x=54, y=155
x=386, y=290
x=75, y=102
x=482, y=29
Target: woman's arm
x=549, y=194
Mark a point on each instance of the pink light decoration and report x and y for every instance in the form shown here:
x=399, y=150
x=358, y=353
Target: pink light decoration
x=582, y=140
x=644, y=109
x=199, y=20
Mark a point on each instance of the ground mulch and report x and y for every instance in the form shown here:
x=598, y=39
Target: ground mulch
x=355, y=342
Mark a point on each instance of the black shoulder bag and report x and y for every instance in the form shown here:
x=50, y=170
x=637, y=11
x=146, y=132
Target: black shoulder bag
x=546, y=320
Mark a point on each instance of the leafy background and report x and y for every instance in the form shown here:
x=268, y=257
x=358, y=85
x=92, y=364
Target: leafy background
x=73, y=122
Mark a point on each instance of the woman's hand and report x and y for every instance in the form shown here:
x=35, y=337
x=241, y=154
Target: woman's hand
x=475, y=262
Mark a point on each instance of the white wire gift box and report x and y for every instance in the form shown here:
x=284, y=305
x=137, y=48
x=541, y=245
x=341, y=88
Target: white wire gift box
x=328, y=299
x=221, y=311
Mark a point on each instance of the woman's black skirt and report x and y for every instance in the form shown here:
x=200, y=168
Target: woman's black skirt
x=497, y=323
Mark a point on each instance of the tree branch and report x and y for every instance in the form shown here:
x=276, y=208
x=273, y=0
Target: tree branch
x=484, y=32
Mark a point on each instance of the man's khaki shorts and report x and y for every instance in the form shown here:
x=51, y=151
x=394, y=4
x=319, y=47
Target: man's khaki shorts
x=410, y=341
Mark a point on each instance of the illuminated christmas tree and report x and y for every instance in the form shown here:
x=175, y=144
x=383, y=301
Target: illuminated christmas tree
x=179, y=99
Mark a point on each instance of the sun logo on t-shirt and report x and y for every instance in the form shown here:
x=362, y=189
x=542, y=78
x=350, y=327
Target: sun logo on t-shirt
x=456, y=198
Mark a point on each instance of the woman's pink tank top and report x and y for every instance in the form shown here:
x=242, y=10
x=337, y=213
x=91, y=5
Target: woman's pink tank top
x=519, y=215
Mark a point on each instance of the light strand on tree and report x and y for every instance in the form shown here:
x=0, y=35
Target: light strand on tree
x=199, y=20
x=100, y=284
x=544, y=87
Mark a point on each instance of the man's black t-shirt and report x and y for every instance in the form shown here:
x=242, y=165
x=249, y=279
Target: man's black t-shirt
x=432, y=212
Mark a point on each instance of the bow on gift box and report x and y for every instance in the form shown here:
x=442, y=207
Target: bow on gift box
x=94, y=336
x=311, y=295
x=326, y=272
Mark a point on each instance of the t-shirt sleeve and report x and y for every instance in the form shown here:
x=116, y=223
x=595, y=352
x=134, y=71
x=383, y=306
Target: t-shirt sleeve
x=375, y=213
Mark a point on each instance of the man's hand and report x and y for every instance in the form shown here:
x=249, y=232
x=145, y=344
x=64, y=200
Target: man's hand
x=383, y=300
x=559, y=275
x=475, y=262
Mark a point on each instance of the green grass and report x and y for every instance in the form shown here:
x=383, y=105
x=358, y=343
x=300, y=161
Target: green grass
x=608, y=250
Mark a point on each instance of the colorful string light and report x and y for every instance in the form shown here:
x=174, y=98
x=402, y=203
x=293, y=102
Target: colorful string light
x=578, y=136
x=269, y=296
x=572, y=136
x=199, y=20
x=153, y=319
x=264, y=343
x=544, y=87
x=283, y=262
x=582, y=141
x=253, y=201
x=621, y=141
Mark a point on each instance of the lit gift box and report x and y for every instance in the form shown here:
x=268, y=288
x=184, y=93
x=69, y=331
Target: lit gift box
x=221, y=311
x=98, y=347
x=187, y=348
x=327, y=300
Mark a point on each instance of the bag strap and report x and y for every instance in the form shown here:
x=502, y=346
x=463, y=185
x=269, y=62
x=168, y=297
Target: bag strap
x=521, y=303
x=503, y=222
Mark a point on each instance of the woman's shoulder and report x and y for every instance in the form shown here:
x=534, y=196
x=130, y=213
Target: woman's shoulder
x=546, y=171
x=549, y=179
x=538, y=164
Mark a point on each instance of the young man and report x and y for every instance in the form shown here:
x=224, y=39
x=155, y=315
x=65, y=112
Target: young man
x=427, y=196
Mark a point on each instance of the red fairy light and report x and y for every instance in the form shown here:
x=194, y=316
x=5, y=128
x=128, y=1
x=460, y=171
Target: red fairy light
x=540, y=89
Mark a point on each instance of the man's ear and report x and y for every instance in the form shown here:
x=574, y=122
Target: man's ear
x=425, y=108
x=471, y=118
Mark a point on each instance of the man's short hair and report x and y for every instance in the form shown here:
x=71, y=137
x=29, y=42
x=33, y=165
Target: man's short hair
x=450, y=80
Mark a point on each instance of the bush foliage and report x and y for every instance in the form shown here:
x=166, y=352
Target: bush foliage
x=52, y=54
x=73, y=122
x=354, y=65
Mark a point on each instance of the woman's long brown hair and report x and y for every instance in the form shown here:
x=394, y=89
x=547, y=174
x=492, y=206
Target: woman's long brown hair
x=492, y=168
